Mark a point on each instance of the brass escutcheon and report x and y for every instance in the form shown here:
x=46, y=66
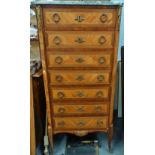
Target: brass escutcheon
x=80, y=78
x=79, y=60
x=80, y=109
x=81, y=124
x=79, y=40
x=79, y=18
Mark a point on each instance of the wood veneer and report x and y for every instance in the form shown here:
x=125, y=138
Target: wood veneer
x=76, y=44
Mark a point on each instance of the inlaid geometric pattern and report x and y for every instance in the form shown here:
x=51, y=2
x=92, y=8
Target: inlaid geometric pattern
x=82, y=17
x=82, y=93
x=81, y=109
x=67, y=77
x=80, y=122
x=80, y=39
x=71, y=59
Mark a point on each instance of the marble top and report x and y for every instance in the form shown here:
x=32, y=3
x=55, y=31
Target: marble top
x=78, y=2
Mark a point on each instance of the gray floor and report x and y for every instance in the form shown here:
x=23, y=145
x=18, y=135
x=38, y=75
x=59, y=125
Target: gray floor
x=60, y=142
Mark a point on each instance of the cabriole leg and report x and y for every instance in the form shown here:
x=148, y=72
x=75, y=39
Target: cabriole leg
x=50, y=136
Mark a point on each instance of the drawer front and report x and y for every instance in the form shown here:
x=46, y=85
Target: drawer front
x=80, y=123
x=80, y=93
x=79, y=39
x=69, y=59
x=86, y=77
x=56, y=18
x=94, y=108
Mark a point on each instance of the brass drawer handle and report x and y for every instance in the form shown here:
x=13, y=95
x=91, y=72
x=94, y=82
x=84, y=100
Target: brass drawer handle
x=79, y=18
x=100, y=123
x=99, y=94
x=59, y=78
x=57, y=40
x=81, y=124
x=61, y=124
x=98, y=108
x=103, y=18
x=61, y=110
x=79, y=40
x=61, y=95
x=101, y=60
x=79, y=60
x=58, y=60
x=101, y=40
x=56, y=18
x=100, y=78
x=80, y=78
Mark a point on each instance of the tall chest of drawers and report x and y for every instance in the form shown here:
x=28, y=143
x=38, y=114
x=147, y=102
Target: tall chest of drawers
x=79, y=46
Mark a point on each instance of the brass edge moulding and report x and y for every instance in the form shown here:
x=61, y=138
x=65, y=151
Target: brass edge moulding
x=38, y=15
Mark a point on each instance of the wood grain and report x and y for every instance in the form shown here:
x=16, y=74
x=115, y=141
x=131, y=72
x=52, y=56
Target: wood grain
x=90, y=39
x=72, y=59
x=56, y=18
x=79, y=77
x=77, y=47
x=80, y=93
x=80, y=123
x=81, y=109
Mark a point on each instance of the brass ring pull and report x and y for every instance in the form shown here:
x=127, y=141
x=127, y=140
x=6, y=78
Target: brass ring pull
x=58, y=60
x=100, y=78
x=61, y=95
x=56, y=18
x=103, y=18
x=79, y=60
x=101, y=60
x=99, y=94
x=61, y=124
x=79, y=40
x=100, y=123
x=61, y=110
x=59, y=78
x=98, y=108
x=79, y=18
x=101, y=40
x=57, y=40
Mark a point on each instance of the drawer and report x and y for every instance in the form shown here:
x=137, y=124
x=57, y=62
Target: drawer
x=77, y=77
x=76, y=59
x=73, y=109
x=55, y=18
x=80, y=93
x=80, y=123
x=79, y=39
